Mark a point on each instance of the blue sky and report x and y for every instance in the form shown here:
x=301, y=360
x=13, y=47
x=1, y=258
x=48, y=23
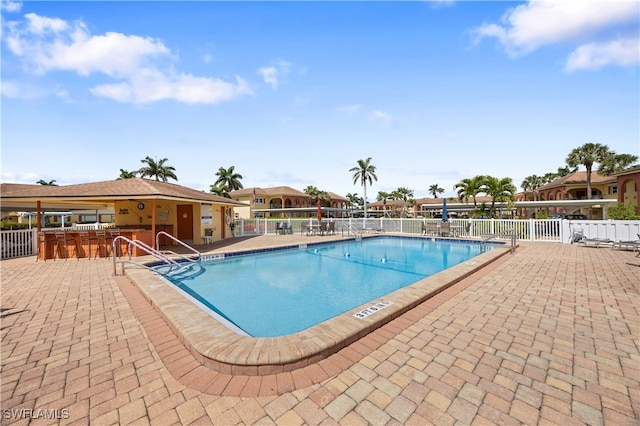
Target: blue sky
x=294, y=93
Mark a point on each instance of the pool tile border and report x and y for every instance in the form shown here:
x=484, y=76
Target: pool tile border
x=220, y=349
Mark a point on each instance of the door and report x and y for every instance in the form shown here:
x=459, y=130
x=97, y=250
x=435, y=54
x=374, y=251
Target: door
x=185, y=222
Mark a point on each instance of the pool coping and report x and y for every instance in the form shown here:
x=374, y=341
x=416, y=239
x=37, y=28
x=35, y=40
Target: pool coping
x=217, y=347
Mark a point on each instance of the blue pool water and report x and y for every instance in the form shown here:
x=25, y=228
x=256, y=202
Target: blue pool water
x=282, y=292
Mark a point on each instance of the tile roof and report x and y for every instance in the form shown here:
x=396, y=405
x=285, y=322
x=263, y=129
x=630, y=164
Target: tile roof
x=113, y=189
x=277, y=191
x=578, y=178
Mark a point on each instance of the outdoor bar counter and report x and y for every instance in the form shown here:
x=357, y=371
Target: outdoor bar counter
x=76, y=243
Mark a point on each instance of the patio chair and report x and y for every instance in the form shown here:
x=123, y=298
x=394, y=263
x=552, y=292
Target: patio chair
x=286, y=228
x=432, y=228
x=445, y=229
x=279, y=228
x=331, y=229
x=576, y=235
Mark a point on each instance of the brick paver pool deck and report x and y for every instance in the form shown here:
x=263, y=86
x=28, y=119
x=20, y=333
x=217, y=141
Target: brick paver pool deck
x=548, y=335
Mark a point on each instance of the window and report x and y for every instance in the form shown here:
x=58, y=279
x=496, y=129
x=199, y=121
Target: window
x=613, y=189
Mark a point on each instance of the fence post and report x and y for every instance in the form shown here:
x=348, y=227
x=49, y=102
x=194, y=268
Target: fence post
x=34, y=241
x=532, y=230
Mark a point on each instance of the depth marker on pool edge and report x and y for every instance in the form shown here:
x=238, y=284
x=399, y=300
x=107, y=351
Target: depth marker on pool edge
x=372, y=309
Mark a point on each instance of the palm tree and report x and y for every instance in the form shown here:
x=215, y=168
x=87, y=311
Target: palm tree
x=499, y=190
x=355, y=201
x=435, y=190
x=404, y=194
x=44, y=182
x=157, y=169
x=469, y=187
x=587, y=155
x=125, y=174
x=566, y=170
x=616, y=163
x=532, y=183
x=219, y=190
x=316, y=194
x=363, y=172
x=549, y=177
x=383, y=196
x=228, y=180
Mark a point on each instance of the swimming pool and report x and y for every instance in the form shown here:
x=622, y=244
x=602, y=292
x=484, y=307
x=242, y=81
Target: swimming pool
x=219, y=348
x=283, y=292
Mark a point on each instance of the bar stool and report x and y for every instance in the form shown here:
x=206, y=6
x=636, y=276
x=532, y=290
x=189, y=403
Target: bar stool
x=43, y=241
x=101, y=236
x=62, y=242
x=85, y=236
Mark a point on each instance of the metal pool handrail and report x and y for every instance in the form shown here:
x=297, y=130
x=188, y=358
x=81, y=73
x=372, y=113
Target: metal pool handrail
x=179, y=242
x=351, y=228
x=142, y=246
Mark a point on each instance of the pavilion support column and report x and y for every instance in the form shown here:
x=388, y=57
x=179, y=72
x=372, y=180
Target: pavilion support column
x=38, y=215
x=223, y=228
x=153, y=222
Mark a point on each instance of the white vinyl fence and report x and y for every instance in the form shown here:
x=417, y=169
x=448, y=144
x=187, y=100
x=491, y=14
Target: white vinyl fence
x=548, y=230
x=21, y=243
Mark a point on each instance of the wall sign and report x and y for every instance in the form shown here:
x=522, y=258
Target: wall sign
x=206, y=214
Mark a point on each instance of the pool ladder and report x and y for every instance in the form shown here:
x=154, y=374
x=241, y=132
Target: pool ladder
x=350, y=228
x=172, y=265
x=510, y=233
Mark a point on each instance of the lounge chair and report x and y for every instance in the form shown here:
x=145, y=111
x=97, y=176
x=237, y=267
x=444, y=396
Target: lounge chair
x=595, y=242
x=626, y=245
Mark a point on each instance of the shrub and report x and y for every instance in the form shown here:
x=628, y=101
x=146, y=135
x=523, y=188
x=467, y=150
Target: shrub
x=624, y=211
x=8, y=226
x=542, y=214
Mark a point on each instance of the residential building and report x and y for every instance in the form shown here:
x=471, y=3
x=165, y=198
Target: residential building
x=283, y=201
x=574, y=187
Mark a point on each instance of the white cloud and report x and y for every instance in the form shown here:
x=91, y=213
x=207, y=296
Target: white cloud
x=9, y=89
x=383, y=117
x=11, y=6
x=12, y=177
x=350, y=109
x=17, y=90
x=183, y=88
x=269, y=75
x=597, y=55
x=272, y=74
x=141, y=65
x=537, y=23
